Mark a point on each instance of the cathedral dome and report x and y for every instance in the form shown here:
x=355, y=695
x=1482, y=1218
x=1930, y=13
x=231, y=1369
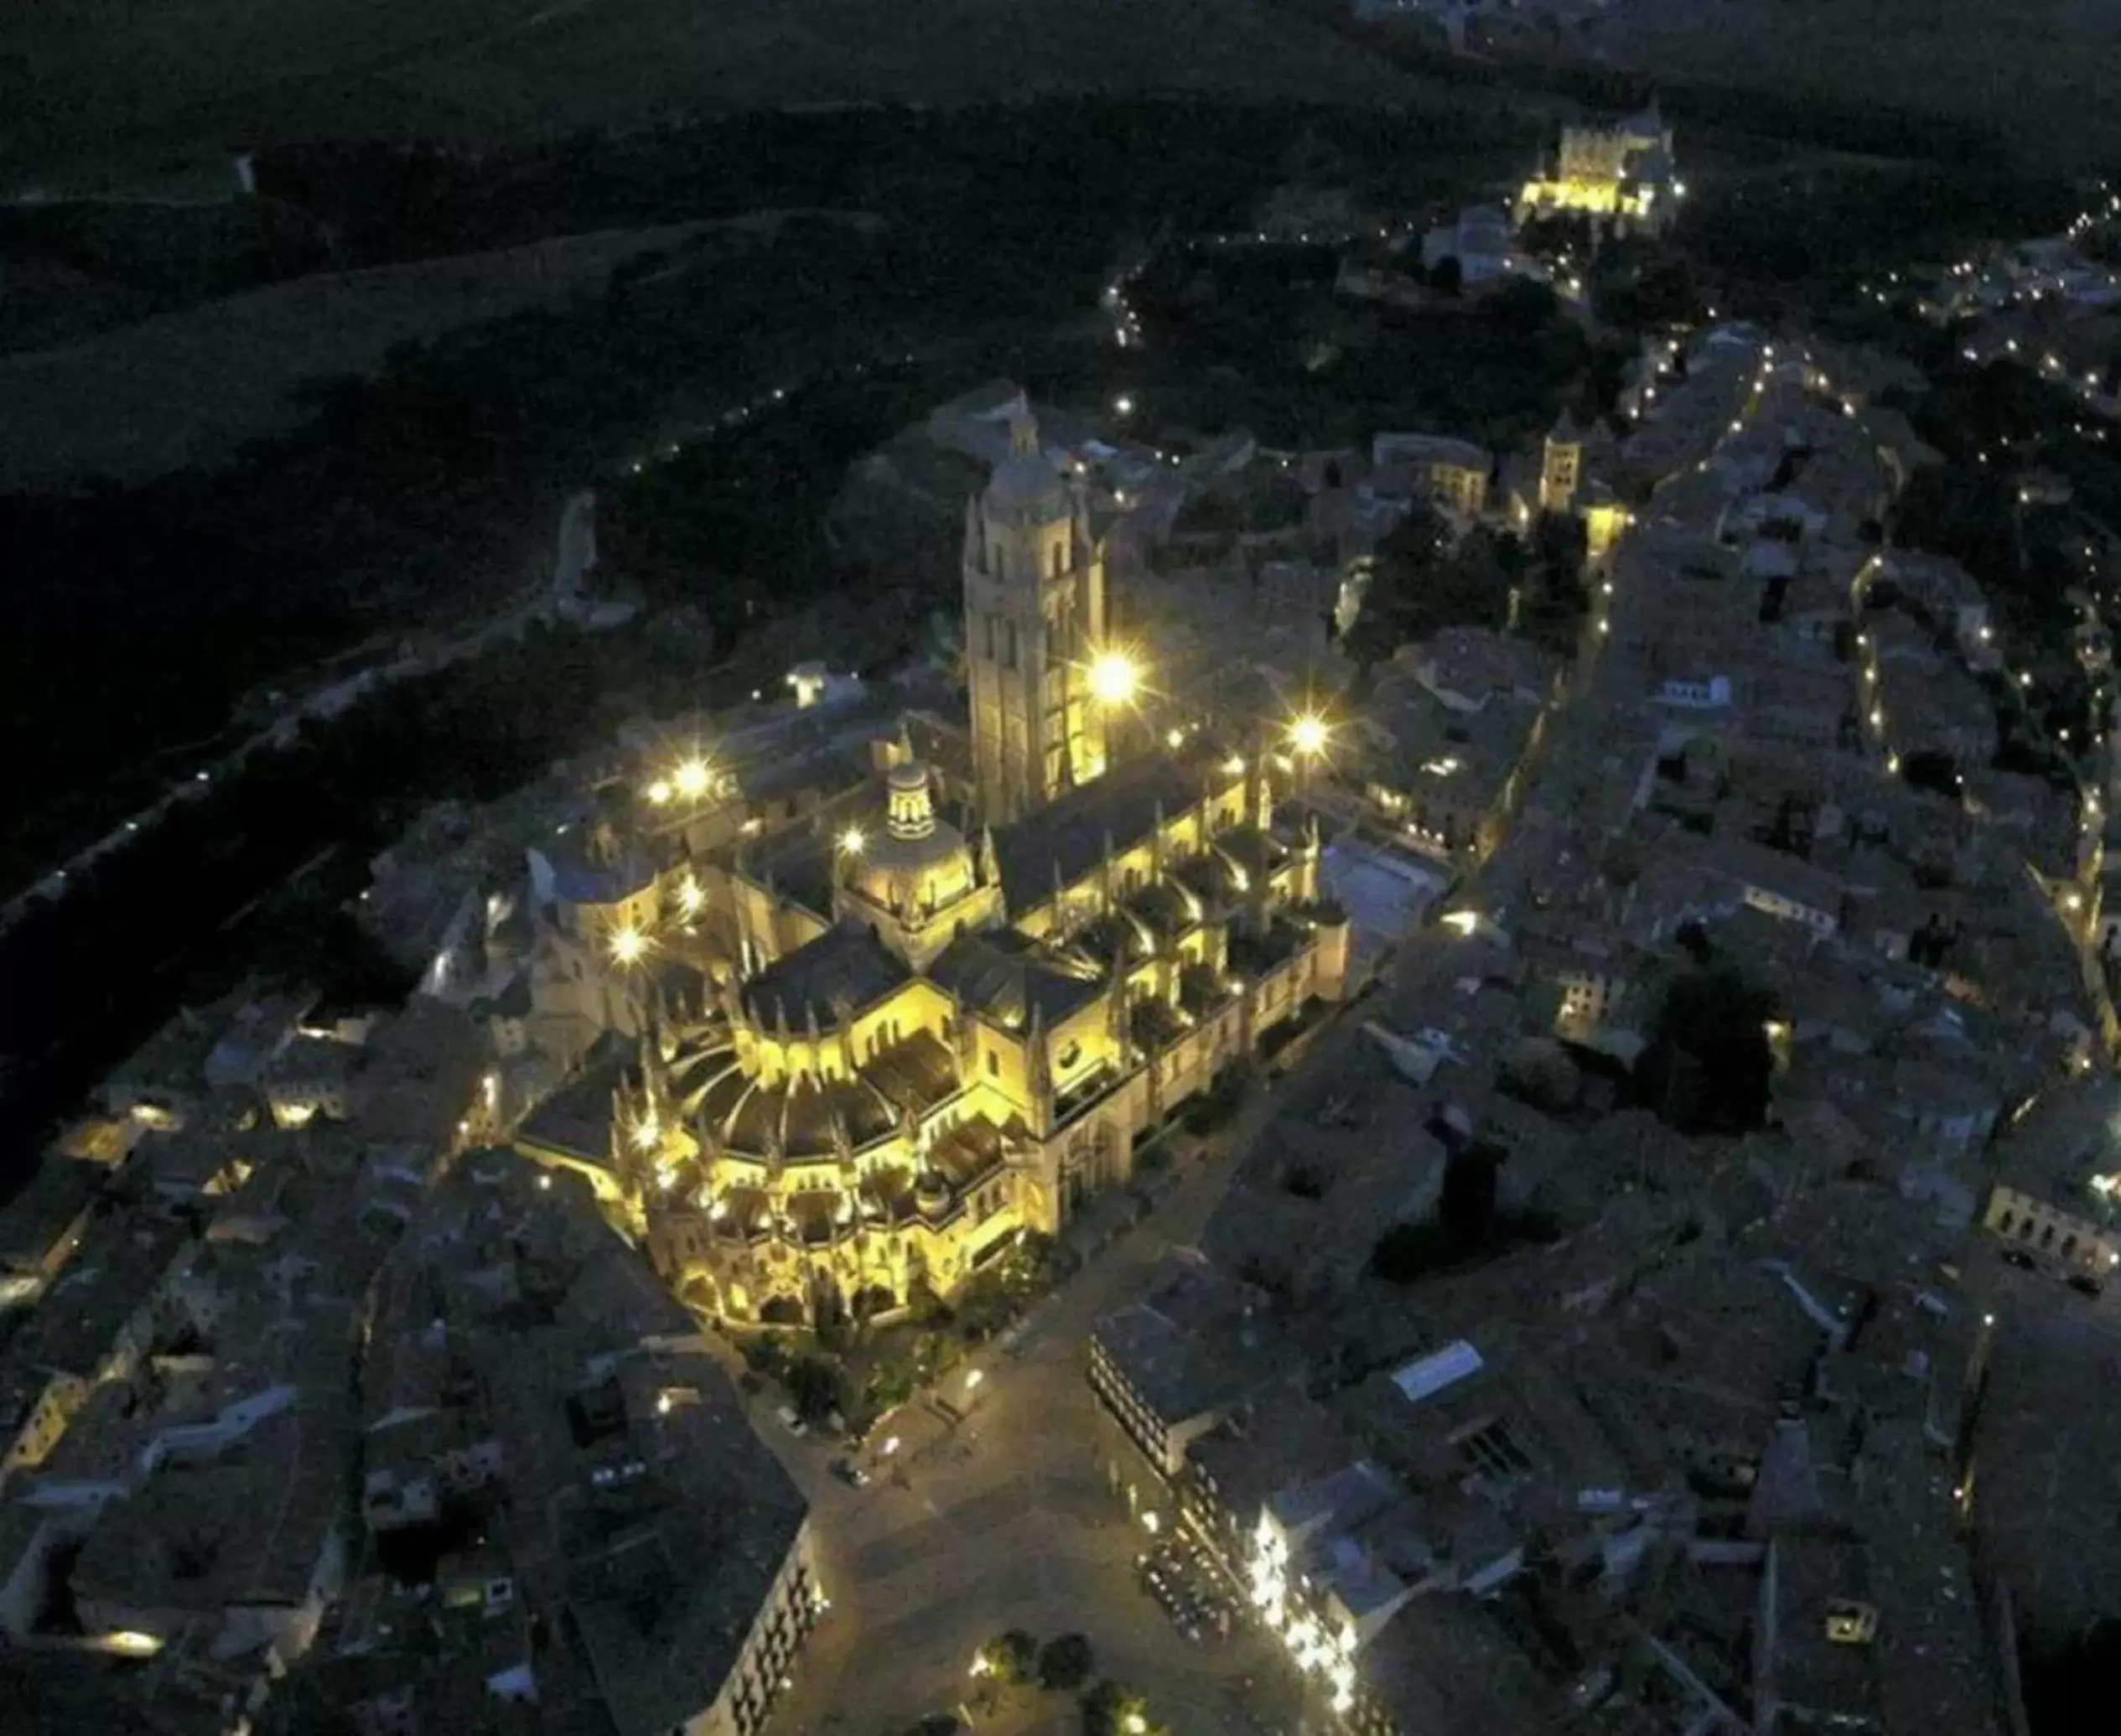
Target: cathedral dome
x=921, y=863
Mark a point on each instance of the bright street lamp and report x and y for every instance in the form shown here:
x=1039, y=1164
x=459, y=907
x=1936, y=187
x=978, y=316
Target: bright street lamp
x=629, y=946
x=1308, y=734
x=691, y=778
x=1113, y=677
x=973, y=1378
x=852, y=841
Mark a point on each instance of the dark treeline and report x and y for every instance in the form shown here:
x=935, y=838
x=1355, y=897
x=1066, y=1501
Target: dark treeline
x=142, y=613
x=88, y=978
x=726, y=533
x=1067, y=173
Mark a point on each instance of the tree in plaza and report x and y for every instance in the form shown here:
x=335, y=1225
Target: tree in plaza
x=1011, y=1656
x=1709, y=1063
x=1558, y=548
x=1110, y=1710
x=1421, y=583
x=1065, y=1663
x=814, y=1384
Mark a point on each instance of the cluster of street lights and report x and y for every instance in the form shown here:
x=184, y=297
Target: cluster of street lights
x=689, y=780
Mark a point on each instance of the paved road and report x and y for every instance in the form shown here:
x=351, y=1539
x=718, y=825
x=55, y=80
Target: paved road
x=1007, y=1520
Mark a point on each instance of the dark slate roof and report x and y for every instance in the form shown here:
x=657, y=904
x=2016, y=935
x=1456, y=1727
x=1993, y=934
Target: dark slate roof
x=799, y=862
x=919, y=1070
x=576, y=1120
x=795, y=1114
x=1071, y=832
x=969, y=1151
x=847, y=961
x=1003, y=977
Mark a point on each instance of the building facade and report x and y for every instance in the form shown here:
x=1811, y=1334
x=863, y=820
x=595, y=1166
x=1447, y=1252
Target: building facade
x=1622, y=170
x=1034, y=621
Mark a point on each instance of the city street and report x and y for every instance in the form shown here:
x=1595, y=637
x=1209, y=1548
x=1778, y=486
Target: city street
x=1006, y=1519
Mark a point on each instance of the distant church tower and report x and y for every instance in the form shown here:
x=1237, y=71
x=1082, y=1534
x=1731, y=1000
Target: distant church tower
x=1561, y=467
x=1034, y=616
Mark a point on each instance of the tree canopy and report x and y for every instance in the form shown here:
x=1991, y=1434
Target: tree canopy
x=1421, y=583
x=1065, y=1662
x=1709, y=1063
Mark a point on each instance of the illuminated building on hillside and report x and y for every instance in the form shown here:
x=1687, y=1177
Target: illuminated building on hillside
x=1623, y=169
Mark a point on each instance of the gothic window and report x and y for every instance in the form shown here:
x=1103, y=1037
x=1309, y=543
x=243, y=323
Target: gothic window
x=993, y=1065
x=1072, y=1055
x=2003, y=1225
x=1059, y=563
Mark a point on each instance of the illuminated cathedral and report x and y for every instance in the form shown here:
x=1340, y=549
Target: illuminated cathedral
x=915, y=1040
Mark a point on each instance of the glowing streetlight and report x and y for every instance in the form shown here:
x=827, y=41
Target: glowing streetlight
x=691, y=778
x=1124, y=404
x=658, y=792
x=1309, y=734
x=1137, y=1725
x=1113, y=678
x=890, y=1445
x=973, y=1378
x=690, y=898
x=852, y=841
x=629, y=946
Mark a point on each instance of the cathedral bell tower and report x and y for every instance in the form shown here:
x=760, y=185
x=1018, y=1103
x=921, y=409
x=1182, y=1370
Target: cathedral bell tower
x=1034, y=618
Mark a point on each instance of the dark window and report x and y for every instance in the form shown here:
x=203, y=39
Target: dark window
x=993, y=1065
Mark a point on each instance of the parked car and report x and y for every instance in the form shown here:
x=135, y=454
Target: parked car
x=790, y=1422
x=2085, y=1284
x=850, y=1473
x=2020, y=1258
